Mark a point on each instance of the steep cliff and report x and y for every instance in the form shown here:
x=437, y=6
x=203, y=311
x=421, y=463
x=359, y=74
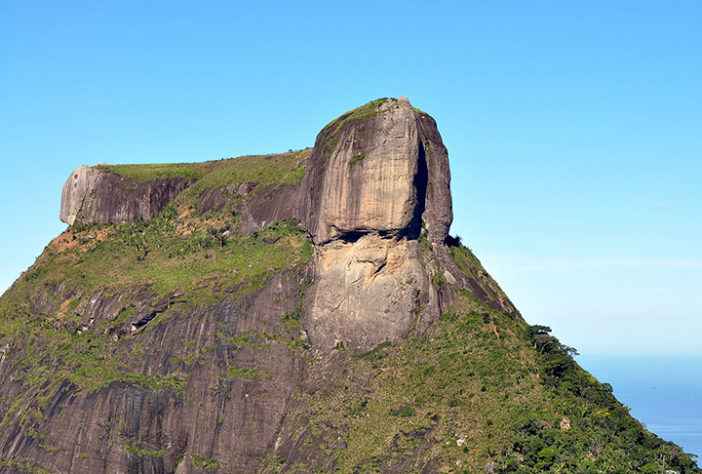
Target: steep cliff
x=98, y=196
x=298, y=312
x=364, y=202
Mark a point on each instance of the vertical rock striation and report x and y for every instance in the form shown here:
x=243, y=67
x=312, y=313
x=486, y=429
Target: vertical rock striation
x=376, y=201
x=96, y=196
x=377, y=176
x=370, y=172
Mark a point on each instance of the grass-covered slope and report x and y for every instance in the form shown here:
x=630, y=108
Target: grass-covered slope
x=83, y=317
x=480, y=391
x=279, y=169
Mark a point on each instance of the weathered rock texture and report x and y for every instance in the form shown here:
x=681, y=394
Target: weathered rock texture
x=382, y=170
x=201, y=381
x=270, y=203
x=217, y=415
x=368, y=291
x=376, y=177
x=95, y=196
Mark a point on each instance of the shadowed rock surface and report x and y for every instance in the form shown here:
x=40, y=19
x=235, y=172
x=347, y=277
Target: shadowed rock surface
x=302, y=312
x=95, y=196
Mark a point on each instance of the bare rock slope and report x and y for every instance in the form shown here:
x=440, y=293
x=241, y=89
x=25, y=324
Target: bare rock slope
x=381, y=168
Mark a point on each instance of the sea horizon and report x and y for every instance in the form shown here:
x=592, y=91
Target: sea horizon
x=663, y=392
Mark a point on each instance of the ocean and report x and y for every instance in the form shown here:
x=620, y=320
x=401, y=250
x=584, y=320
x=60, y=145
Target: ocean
x=663, y=392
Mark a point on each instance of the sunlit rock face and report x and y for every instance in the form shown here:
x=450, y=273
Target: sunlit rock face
x=381, y=169
x=78, y=185
x=377, y=177
x=367, y=292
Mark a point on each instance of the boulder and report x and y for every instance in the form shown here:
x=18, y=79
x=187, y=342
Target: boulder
x=380, y=168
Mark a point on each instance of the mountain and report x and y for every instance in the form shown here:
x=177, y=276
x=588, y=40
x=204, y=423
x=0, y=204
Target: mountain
x=301, y=312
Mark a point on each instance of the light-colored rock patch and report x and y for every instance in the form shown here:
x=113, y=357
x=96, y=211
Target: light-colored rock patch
x=366, y=292
x=78, y=185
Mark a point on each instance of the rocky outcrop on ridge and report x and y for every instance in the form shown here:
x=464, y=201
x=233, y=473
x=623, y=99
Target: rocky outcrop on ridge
x=375, y=180
x=95, y=196
x=379, y=169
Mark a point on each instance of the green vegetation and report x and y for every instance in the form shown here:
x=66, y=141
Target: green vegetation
x=234, y=372
x=480, y=386
x=438, y=279
x=23, y=464
x=140, y=450
x=169, y=255
x=156, y=269
x=265, y=169
x=330, y=132
x=471, y=266
x=376, y=353
x=427, y=147
x=364, y=111
x=356, y=158
x=466, y=261
x=203, y=463
x=285, y=168
x=151, y=172
x=259, y=340
x=329, y=147
x=418, y=112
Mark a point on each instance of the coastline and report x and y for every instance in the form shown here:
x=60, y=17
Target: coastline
x=664, y=392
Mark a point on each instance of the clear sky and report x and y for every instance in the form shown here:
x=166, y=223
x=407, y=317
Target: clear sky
x=574, y=128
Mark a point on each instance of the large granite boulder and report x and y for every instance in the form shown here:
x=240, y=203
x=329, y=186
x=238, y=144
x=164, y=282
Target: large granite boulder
x=380, y=168
x=377, y=176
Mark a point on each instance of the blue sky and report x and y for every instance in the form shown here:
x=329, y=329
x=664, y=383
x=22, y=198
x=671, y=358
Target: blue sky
x=574, y=128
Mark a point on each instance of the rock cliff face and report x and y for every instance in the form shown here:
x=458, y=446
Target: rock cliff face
x=376, y=177
x=367, y=196
x=95, y=196
x=370, y=173
x=300, y=312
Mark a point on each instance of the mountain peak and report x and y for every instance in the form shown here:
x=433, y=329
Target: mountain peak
x=379, y=168
x=302, y=312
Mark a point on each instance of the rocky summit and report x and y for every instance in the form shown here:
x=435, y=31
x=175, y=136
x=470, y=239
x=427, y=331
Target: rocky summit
x=300, y=312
